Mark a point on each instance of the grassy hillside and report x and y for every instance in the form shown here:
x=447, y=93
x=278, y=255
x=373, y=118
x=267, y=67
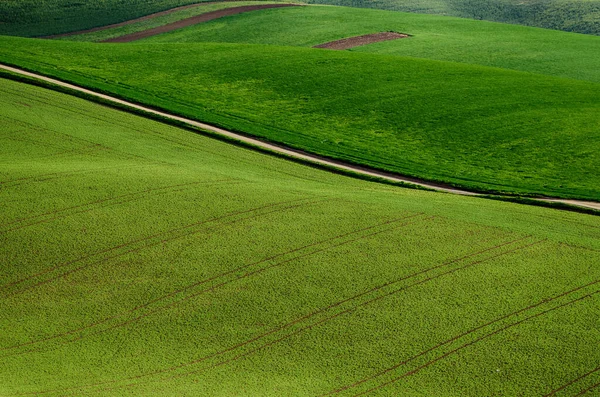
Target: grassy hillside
x=141, y=259
x=155, y=21
x=442, y=38
x=46, y=17
x=581, y=16
x=474, y=126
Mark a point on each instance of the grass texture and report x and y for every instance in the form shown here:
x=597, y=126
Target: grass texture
x=433, y=37
x=477, y=127
x=581, y=16
x=155, y=21
x=47, y=17
x=142, y=259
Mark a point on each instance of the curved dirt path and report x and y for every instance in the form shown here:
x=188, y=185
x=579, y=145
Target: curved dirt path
x=132, y=21
x=365, y=39
x=209, y=16
x=292, y=153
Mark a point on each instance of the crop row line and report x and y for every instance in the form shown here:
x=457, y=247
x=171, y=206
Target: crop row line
x=184, y=229
x=204, y=281
x=319, y=321
x=477, y=340
x=110, y=201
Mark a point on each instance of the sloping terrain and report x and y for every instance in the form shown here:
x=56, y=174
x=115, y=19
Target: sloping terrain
x=432, y=37
x=476, y=127
x=142, y=259
x=581, y=16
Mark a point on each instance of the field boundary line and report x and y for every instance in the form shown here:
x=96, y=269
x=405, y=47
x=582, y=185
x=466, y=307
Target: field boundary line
x=288, y=152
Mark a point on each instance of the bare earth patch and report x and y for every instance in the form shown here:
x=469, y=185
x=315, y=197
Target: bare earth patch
x=209, y=16
x=356, y=41
x=132, y=21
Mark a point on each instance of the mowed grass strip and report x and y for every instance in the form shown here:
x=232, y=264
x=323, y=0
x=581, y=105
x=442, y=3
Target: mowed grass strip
x=476, y=127
x=303, y=282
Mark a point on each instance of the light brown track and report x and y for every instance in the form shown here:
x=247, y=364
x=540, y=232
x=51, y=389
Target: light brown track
x=132, y=21
x=209, y=16
x=280, y=149
x=356, y=41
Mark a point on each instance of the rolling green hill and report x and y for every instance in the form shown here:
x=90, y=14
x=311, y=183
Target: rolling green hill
x=477, y=127
x=47, y=17
x=141, y=259
x=581, y=16
x=433, y=37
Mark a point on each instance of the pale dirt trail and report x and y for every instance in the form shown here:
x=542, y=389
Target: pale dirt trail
x=292, y=153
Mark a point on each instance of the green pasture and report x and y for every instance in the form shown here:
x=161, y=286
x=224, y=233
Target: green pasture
x=47, y=17
x=156, y=21
x=142, y=259
x=433, y=37
x=582, y=16
x=477, y=127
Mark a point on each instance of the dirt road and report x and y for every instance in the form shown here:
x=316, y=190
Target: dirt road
x=292, y=153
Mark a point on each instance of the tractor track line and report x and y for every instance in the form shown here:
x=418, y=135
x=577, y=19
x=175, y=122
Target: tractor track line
x=166, y=240
x=431, y=362
x=592, y=387
x=278, y=148
x=230, y=348
x=324, y=320
x=387, y=370
x=132, y=242
x=173, y=293
x=553, y=392
x=118, y=200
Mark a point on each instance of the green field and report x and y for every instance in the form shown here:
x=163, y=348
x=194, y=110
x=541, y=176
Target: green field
x=477, y=127
x=142, y=259
x=154, y=22
x=45, y=17
x=433, y=37
x=582, y=16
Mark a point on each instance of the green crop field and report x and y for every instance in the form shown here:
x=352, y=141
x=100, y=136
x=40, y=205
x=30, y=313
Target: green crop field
x=47, y=17
x=582, y=16
x=473, y=126
x=433, y=37
x=154, y=22
x=142, y=259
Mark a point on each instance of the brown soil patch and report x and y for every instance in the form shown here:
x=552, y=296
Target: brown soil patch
x=209, y=16
x=356, y=41
x=131, y=21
